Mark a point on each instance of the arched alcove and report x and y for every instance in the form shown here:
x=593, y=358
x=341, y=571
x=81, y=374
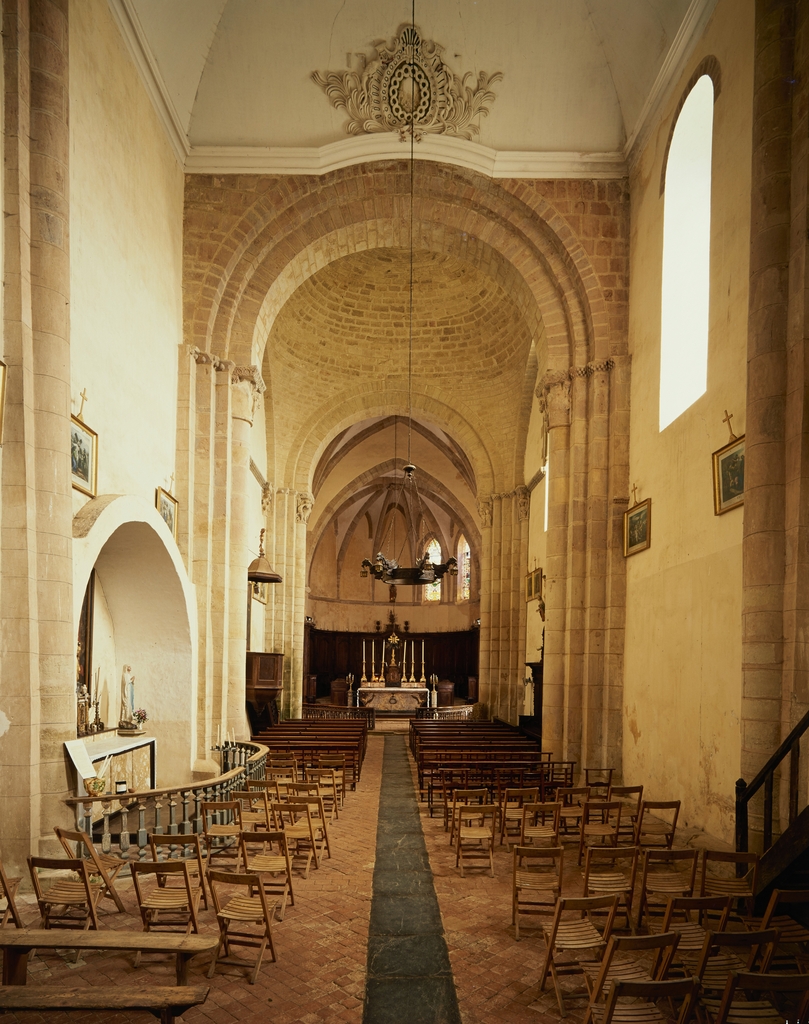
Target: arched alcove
x=144, y=616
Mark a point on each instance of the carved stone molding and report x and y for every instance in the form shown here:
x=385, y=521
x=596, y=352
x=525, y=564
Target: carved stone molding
x=485, y=512
x=406, y=82
x=251, y=374
x=303, y=508
x=601, y=366
x=523, y=503
x=267, y=498
x=202, y=358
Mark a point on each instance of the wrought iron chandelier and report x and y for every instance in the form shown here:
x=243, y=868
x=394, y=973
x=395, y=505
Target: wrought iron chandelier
x=388, y=570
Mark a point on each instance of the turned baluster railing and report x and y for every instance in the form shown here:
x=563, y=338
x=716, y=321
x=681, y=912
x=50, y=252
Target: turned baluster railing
x=151, y=807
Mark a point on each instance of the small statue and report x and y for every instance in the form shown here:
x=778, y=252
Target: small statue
x=127, y=720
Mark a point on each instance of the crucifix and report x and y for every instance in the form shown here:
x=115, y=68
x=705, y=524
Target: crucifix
x=171, y=485
x=83, y=397
x=727, y=418
x=634, y=494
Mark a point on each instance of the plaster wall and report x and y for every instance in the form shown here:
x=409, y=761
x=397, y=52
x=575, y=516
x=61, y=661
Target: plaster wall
x=682, y=684
x=126, y=191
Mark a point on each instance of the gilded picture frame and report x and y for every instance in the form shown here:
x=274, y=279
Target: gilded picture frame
x=638, y=527
x=533, y=585
x=168, y=507
x=83, y=457
x=728, y=476
x=260, y=592
x=3, y=375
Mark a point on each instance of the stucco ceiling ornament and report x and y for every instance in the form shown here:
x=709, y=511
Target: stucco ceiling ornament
x=407, y=83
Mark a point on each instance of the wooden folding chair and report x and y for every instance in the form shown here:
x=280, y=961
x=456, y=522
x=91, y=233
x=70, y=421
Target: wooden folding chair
x=8, y=890
x=295, y=820
x=254, y=810
x=574, y=934
x=739, y=886
x=630, y=798
x=688, y=916
x=65, y=903
x=337, y=763
x=309, y=791
x=657, y=823
x=510, y=809
x=621, y=963
x=451, y=780
x=266, y=854
x=611, y=871
x=662, y=877
x=724, y=952
x=793, y=945
x=732, y=1010
x=243, y=908
x=166, y=907
x=221, y=826
x=599, y=782
x=180, y=847
x=463, y=798
x=572, y=799
x=600, y=820
x=104, y=868
x=540, y=823
x=326, y=782
x=474, y=835
x=636, y=1012
x=536, y=882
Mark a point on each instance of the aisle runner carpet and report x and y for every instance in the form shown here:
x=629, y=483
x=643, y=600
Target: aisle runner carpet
x=409, y=975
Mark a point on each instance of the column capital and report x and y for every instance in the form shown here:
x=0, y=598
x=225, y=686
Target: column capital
x=303, y=507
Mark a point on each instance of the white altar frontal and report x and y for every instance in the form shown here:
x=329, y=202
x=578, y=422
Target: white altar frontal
x=393, y=698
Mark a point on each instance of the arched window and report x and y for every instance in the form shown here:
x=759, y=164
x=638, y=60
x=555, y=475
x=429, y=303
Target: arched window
x=432, y=592
x=686, y=256
x=464, y=557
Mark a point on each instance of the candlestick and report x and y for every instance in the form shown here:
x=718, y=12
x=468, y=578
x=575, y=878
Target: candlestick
x=412, y=661
x=423, y=677
x=364, y=679
x=373, y=663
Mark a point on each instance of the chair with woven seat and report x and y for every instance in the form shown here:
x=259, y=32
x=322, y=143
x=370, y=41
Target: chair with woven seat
x=266, y=854
x=474, y=836
x=621, y=963
x=665, y=873
x=8, y=890
x=611, y=871
x=254, y=810
x=166, y=907
x=724, y=952
x=739, y=886
x=463, y=798
x=599, y=782
x=657, y=823
x=601, y=821
x=572, y=799
x=634, y=1011
x=242, y=908
x=573, y=933
x=541, y=823
x=104, y=868
x=732, y=1010
x=510, y=811
x=630, y=798
x=221, y=826
x=689, y=917
x=66, y=902
x=536, y=881
x=180, y=847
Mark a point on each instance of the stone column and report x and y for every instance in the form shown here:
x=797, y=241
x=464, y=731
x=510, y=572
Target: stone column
x=520, y=604
x=763, y=552
x=554, y=398
x=485, y=688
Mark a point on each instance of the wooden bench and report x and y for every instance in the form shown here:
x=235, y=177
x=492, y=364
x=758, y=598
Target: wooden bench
x=166, y=1002
x=18, y=943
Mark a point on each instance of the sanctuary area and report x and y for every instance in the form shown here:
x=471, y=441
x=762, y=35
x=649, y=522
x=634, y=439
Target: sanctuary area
x=371, y=366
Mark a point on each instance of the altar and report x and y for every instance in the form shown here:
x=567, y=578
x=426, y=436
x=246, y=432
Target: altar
x=393, y=698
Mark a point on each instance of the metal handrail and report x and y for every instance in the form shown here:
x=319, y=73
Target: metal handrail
x=745, y=792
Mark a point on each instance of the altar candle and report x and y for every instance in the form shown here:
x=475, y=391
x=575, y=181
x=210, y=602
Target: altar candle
x=422, y=659
x=363, y=655
x=373, y=667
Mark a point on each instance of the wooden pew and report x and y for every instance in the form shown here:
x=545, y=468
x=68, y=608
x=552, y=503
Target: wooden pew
x=166, y=1002
x=18, y=943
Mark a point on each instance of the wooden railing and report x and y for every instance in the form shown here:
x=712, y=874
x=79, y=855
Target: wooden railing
x=339, y=711
x=745, y=792
x=173, y=811
x=459, y=714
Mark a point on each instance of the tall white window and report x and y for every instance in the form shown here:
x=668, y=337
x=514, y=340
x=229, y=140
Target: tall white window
x=464, y=557
x=686, y=256
x=432, y=591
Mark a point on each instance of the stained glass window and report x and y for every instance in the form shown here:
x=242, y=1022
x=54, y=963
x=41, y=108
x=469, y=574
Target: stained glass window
x=464, y=570
x=432, y=592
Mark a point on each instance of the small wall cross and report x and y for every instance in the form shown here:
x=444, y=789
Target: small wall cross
x=634, y=494
x=83, y=397
x=727, y=418
x=171, y=485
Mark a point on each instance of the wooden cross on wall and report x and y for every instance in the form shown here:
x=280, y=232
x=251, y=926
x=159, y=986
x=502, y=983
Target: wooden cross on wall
x=83, y=397
x=727, y=418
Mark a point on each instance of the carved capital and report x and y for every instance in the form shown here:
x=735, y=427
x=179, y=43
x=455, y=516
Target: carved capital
x=303, y=507
x=485, y=512
x=251, y=374
x=553, y=392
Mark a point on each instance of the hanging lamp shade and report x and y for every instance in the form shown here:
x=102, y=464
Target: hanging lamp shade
x=260, y=570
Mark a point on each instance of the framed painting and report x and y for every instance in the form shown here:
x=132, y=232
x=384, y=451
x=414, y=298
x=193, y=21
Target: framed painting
x=728, y=476
x=529, y=586
x=261, y=592
x=168, y=507
x=83, y=457
x=638, y=527
x=3, y=372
